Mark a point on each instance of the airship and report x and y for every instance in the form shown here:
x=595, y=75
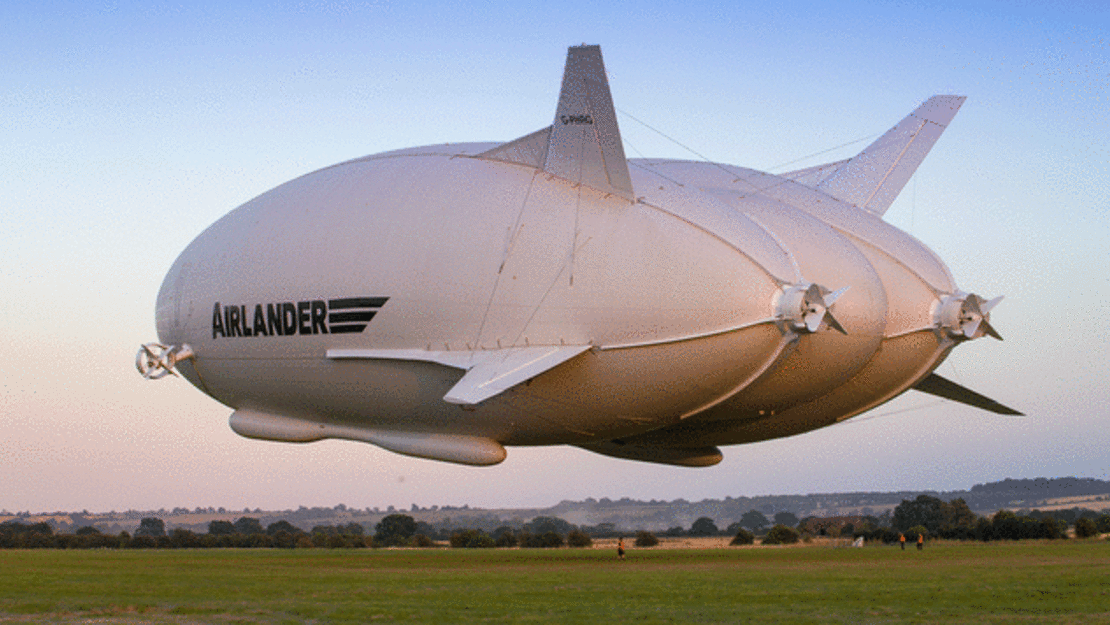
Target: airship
x=449, y=301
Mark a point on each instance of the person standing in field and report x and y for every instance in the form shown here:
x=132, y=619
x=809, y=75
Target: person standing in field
x=620, y=548
x=902, y=539
x=920, y=542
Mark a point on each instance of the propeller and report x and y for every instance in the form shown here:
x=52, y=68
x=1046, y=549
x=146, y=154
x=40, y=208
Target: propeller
x=804, y=308
x=966, y=316
x=155, y=360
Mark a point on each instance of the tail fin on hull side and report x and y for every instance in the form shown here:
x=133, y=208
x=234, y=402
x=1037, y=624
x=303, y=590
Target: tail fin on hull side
x=933, y=384
x=873, y=178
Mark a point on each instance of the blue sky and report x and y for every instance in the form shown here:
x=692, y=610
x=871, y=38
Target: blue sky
x=127, y=129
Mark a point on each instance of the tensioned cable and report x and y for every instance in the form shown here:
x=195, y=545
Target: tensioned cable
x=665, y=136
x=677, y=142
x=809, y=156
x=862, y=418
x=719, y=165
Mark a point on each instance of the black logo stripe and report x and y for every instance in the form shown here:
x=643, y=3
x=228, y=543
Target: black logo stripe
x=352, y=329
x=357, y=302
x=357, y=312
x=347, y=317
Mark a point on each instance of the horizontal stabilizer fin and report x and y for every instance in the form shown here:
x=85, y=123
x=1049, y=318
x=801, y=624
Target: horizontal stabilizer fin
x=496, y=371
x=530, y=150
x=873, y=178
x=584, y=144
x=941, y=387
x=488, y=372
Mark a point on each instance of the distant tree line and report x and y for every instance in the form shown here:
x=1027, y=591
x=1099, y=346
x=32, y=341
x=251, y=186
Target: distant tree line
x=925, y=515
x=151, y=534
x=954, y=520
x=394, y=530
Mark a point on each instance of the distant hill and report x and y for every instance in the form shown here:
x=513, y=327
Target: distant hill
x=1020, y=494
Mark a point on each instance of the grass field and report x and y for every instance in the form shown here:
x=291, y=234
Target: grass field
x=1028, y=582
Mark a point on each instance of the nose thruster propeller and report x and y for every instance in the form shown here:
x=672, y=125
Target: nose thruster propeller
x=966, y=316
x=804, y=308
x=155, y=360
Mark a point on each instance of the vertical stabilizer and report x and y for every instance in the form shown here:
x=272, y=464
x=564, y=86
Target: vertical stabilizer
x=585, y=141
x=873, y=178
x=584, y=144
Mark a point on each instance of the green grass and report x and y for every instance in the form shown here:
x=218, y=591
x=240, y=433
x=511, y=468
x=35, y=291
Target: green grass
x=1029, y=582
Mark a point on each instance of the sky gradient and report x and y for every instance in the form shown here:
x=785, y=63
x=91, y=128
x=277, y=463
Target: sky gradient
x=127, y=129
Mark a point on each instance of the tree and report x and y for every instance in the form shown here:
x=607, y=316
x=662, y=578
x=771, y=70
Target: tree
x=504, y=536
x=248, y=526
x=544, y=524
x=1102, y=522
x=645, y=538
x=743, y=537
x=925, y=511
x=420, y=540
x=151, y=527
x=220, y=528
x=915, y=531
x=282, y=526
x=1004, y=526
x=471, y=539
x=182, y=538
x=957, y=520
x=141, y=542
x=394, y=530
x=1085, y=528
x=283, y=539
x=429, y=530
x=1050, y=528
x=781, y=535
x=578, y=538
x=786, y=518
x=704, y=526
x=754, y=520
x=545, y=540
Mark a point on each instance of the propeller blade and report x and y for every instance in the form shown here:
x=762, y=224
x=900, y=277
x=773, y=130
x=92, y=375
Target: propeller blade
x=971, y=326
x=814, y=318
x=831, y=298
x=834, y=324
x=989, y=330
x=986, y=307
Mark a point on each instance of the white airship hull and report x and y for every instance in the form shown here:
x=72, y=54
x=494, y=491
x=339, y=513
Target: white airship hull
x=449, y=300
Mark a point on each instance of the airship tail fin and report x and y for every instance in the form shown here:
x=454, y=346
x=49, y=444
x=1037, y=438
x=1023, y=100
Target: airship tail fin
x=584, y=144
x=933, y=384
x=873, y=178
